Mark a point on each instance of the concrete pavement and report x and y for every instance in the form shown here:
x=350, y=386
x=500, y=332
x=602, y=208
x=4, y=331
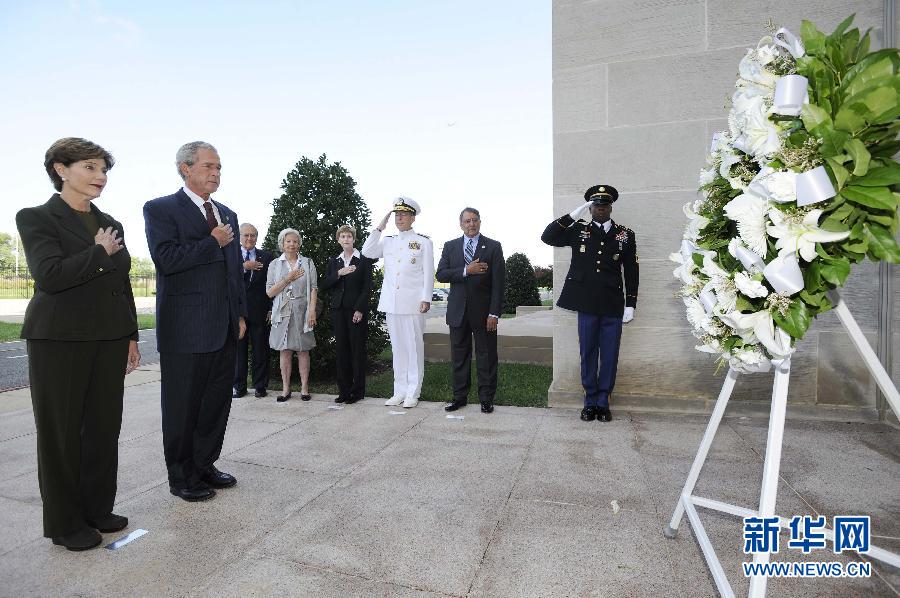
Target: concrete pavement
x=359, y=502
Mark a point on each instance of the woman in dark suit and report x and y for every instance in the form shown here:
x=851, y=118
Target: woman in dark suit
x=81, y=328
x=349, y=276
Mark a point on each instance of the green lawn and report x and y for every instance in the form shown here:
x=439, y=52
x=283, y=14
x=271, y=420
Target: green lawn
x=519, y=384
x=10, y=331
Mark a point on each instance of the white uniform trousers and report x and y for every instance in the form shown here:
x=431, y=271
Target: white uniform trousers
x=408, y=347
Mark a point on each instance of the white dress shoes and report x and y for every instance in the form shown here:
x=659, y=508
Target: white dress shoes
x=394, y=401
x=410, y=402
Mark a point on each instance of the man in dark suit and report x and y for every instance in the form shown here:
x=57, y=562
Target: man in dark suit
x=476, y=271
x=602, y=252
x=256, y=267
x=201, y=311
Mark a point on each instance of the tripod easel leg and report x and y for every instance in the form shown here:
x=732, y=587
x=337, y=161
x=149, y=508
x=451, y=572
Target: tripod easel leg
x=718, y=411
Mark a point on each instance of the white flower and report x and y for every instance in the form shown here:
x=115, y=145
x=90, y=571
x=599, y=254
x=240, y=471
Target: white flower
x=714, y=346
x=707, y=176
x=766, y=53
x=748, y=286
x=800, y=236
x=749, y=360
x=776, y=341
x=752, y=68
x=757, y=135
x=695, y=224
x=749, y=211
x=710, y=267
x=696, y=313
x=777, y=185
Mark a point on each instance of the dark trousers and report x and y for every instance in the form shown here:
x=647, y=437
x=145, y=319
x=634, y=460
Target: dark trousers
x=598, y=339
x=196, y=401
x=485, y=355
x=258, y=337
x=350, y=346
x=76, y=391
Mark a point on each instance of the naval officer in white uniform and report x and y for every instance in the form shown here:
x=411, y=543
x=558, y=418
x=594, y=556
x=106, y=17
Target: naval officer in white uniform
x=405, y=296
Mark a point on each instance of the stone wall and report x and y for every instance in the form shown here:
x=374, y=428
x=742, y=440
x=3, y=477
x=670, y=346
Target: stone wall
x=639, y=88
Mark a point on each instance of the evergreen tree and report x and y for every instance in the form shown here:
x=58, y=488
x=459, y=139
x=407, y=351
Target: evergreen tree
x=521, y=284
x=317, y=198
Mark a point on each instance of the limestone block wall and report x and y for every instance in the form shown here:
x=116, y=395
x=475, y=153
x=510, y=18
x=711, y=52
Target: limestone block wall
x=639, y=87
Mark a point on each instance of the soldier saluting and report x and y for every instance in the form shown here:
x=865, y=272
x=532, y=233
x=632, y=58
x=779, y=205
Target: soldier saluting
x=405, y=296
x=602, y=251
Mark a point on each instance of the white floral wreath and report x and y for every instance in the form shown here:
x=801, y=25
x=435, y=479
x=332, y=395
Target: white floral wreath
x=812, y=123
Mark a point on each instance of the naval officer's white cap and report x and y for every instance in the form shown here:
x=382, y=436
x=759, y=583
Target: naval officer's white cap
x=405, y=204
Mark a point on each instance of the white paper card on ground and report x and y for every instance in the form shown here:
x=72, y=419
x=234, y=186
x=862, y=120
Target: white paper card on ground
x=336, y=407
x=126, y=539
x=456, y=417
x=396, y=412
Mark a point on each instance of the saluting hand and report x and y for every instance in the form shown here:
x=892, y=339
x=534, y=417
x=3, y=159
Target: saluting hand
x=384, y=221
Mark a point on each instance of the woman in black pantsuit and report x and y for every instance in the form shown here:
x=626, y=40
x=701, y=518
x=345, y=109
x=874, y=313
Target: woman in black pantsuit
x=81, y=328
x=349, y=276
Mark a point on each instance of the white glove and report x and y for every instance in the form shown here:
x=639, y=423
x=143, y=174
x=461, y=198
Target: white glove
x=582, y=212
x=628, y=315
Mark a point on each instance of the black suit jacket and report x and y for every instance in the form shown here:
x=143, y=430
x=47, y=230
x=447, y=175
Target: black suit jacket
x=352, y=291
x=599, y=261
x=258, y=303
x=80, y=292
x=478, y=294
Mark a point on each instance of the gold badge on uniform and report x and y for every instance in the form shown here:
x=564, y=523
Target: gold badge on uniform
x=415, y=245
x=582, y=249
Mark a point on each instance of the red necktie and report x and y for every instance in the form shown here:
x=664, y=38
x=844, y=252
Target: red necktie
x=210, y=217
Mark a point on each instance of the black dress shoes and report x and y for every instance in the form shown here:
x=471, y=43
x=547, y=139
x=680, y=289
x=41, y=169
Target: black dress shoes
x=260, y=393
x=487, y=407
x=83, y=539
x=340, y=400
x=351, y=400
x=304, y=397
x=455, y=404
x=588, y=414
x=283, y=398
x=109, y=523
x=193, y=494
x=603, y=414
x=218, y=479
x=236, y=394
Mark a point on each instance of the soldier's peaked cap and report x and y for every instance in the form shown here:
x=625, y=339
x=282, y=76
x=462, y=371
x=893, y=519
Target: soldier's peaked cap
x=405, y=204
x=601, y=194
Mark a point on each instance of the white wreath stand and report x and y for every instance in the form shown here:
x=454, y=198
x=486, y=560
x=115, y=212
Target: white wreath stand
x=688, y=502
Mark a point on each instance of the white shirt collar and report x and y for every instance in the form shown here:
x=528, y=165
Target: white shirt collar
x=606, y=225
x=194, y=197
x=476, y=238
x=283, y=257
x=355, y=253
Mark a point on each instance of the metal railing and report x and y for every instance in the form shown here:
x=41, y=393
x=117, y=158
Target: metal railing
x=17, y=283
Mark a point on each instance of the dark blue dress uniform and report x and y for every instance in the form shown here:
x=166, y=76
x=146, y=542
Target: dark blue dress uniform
x=594, y=288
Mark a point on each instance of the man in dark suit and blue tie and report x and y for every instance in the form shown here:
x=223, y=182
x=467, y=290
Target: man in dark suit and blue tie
x=201, y=311
x=255, y=267
x=475, y=268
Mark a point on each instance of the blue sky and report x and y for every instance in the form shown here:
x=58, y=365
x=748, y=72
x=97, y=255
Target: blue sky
x=447, y=102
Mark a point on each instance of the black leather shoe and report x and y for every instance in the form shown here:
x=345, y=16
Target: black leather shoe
x=193, y=494
x=305, y=397
x=260, y=393
x=588, y=414
x=603, y=414
x=487, y=407
x=108, y=523
x=340, y=400
x=83, y=539
x=351, y=400
x=283, y=398
x=236, y=394
x=455, y=404
x=218, y=479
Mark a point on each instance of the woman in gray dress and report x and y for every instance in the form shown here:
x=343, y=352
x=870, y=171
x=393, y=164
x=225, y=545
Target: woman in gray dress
x=291, y=283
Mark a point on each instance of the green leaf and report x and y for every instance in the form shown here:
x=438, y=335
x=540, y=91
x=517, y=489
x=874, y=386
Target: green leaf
x=860, y=156
x=815, y=117
x=743, y=304
x=813, y=39
x=882, y=245
x=835, y=271
x=796, y=321
x=887, y=221
x=867, y=61
x=839, y=173
x=859, y=242
x=841, y=28
x=698, y=259
x=869, y=76
x=884, y=176
x=873, y=197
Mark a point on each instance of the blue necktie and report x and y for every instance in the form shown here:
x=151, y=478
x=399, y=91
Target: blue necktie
x=248, y=274
x=470, y=250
